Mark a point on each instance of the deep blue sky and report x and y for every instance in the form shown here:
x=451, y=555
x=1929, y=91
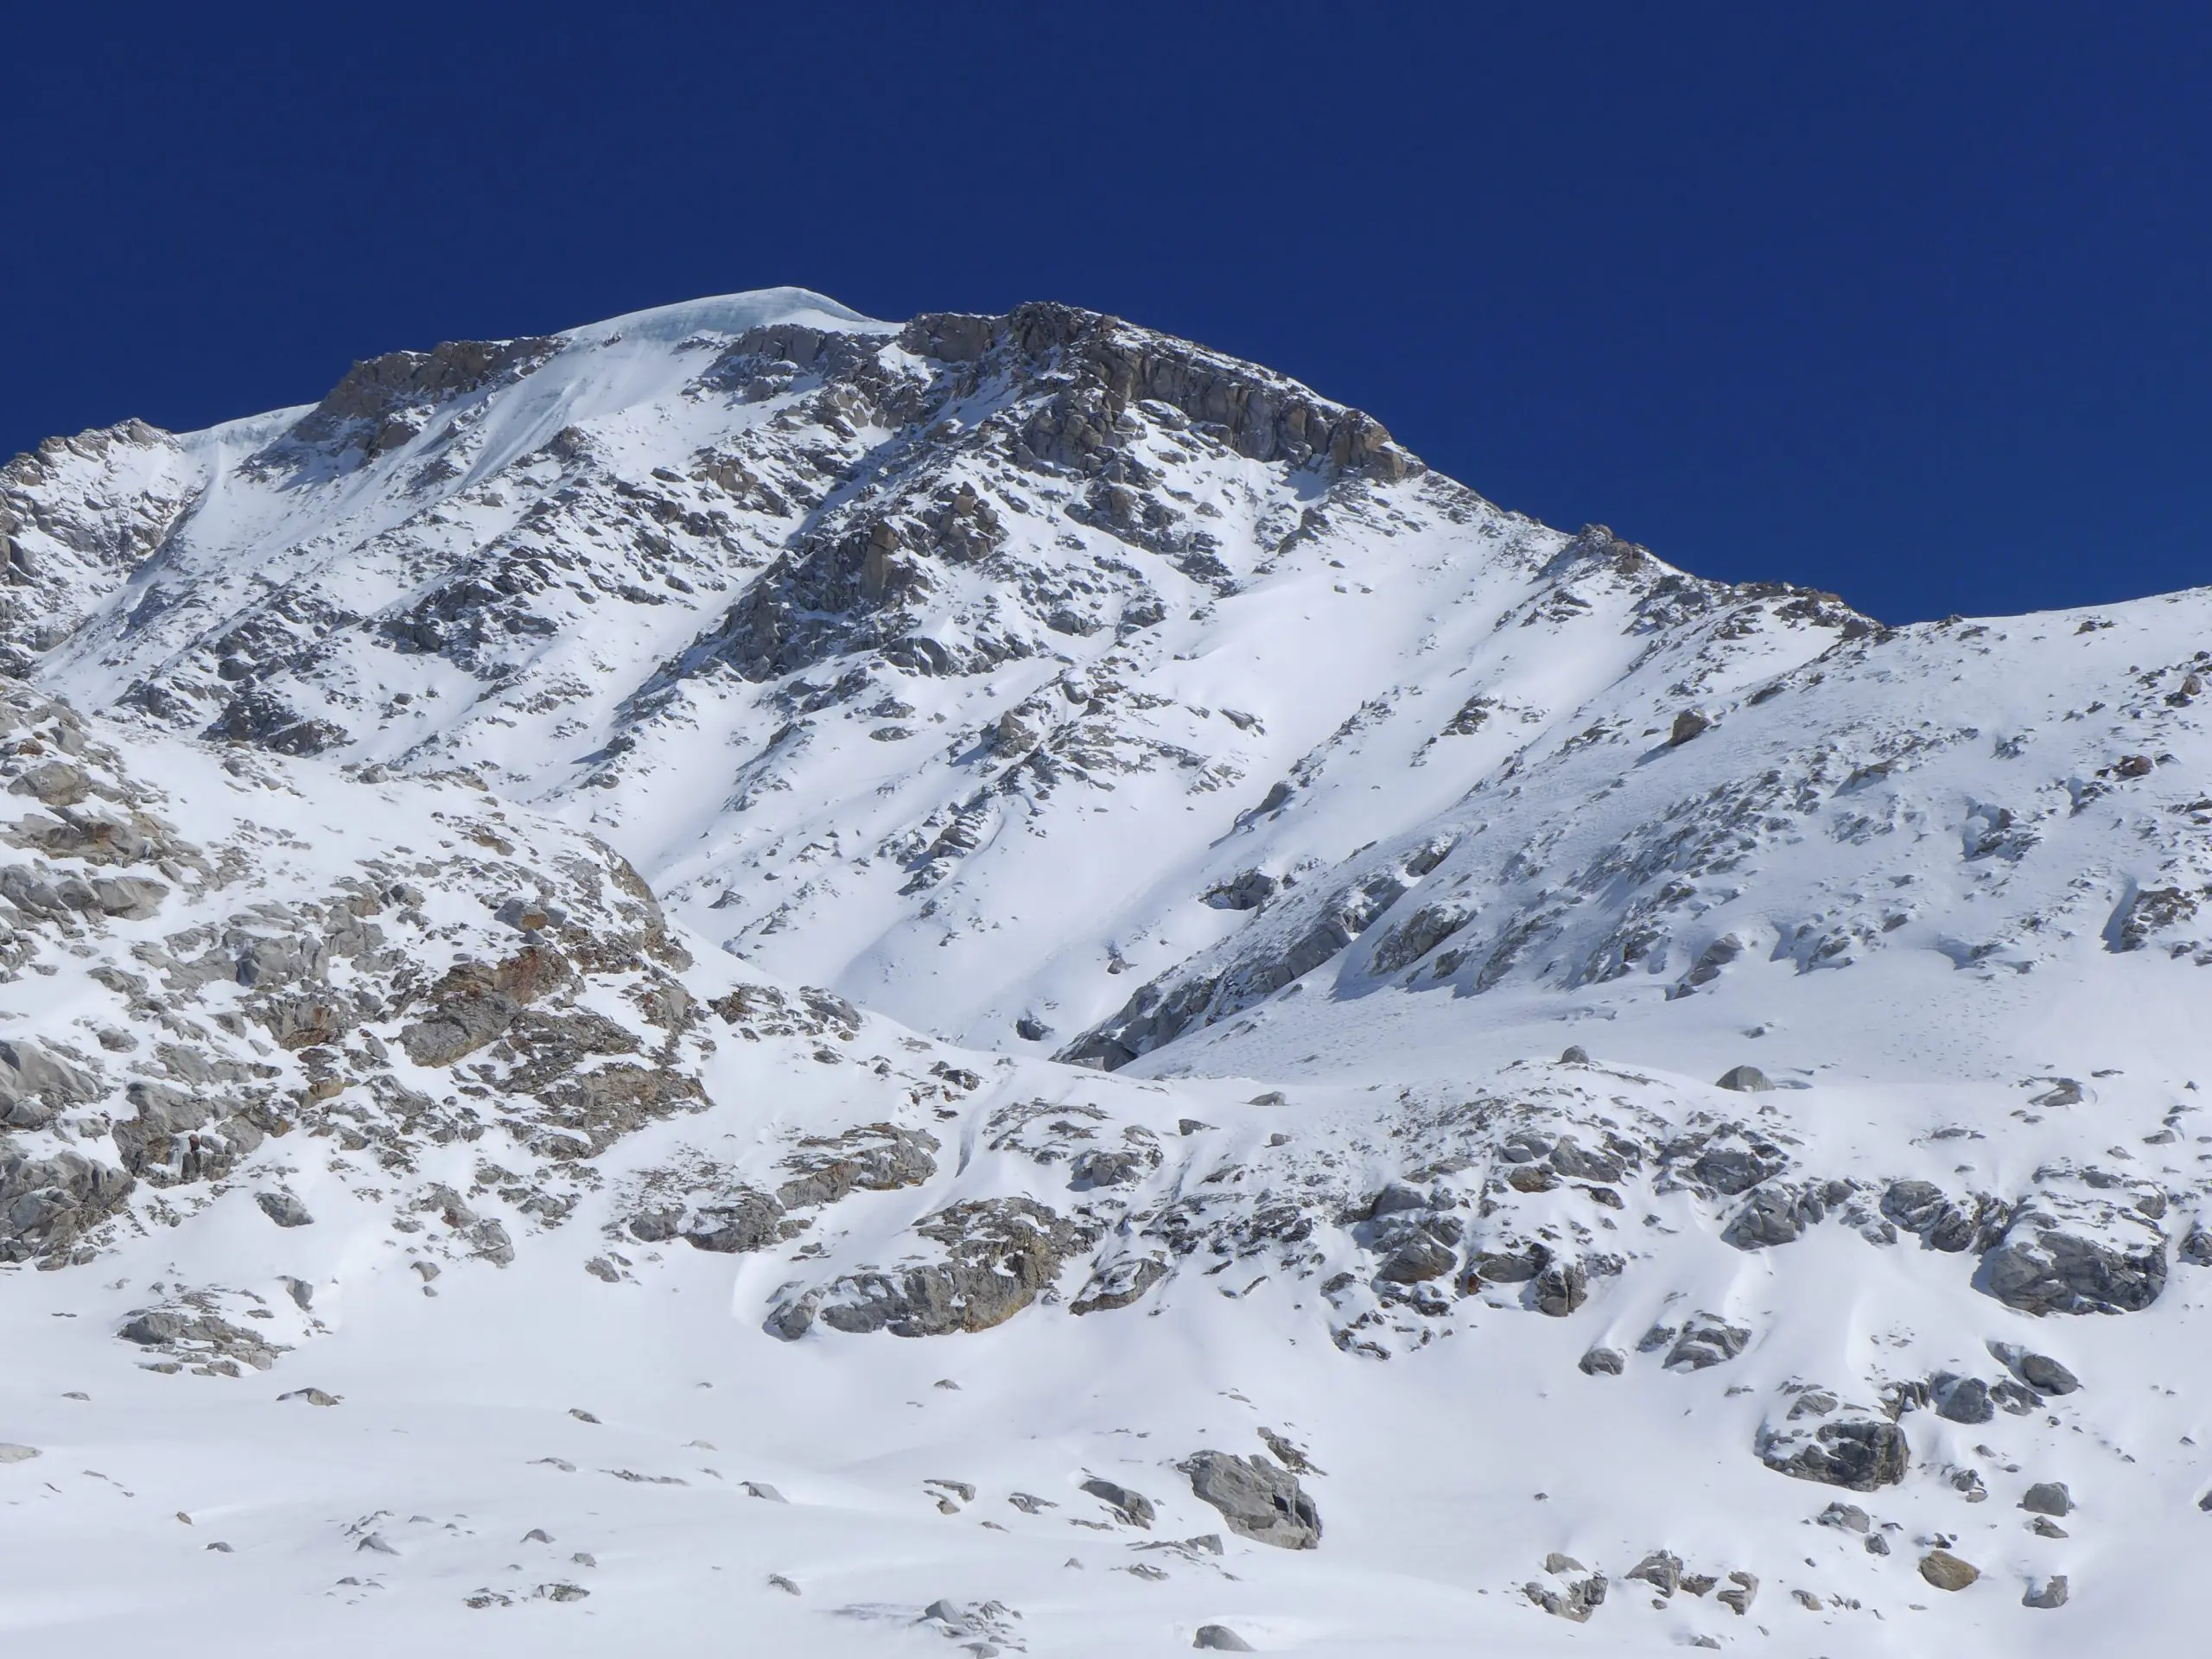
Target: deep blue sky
x=1910, y=302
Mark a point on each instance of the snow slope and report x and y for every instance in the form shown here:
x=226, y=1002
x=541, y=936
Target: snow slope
x=1278, y=921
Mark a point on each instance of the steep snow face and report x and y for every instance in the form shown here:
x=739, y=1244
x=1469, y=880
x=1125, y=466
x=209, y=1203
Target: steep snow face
x=1987, y=839
x=871, y=647
x=1595, y=1107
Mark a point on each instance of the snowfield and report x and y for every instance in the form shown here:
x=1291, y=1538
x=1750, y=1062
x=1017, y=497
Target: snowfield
x=999, y=985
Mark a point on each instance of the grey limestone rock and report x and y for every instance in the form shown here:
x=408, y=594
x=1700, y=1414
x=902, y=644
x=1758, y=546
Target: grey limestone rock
x=1922, y=1207
x=1688, y=723
x=1246, y=890
x=488, y=1241
x=1220, y=1639
x=2038, y=1371
x=1421, y=933
x=737, y=1222
x=793, y=1316
x=53, y=783
x=1769, y=1216
x=1602, y=1361
x=2105, y=1260
x=1662, y=1569
x=129, y=897
x=1259, y=1498
x=1846, y=1517
x=1509, y=1267
x=1118, y=1283
x=2051, y=1593
x=1421, y=1257
x=47, y=1203
x=1859, y=1453
x=35, y=1086
x=1572, y=1159
x=1964, y=1399
x=1560, y=1288
x=999, y=1253
x=873, y=1157
x=1737, y=1163
x=1097, y=1167
x=1577, y=1602
x=1136, y=1508
x=283, y=1209
x=1396, y=1197
x=2048, y=1497
x=1745, y=1080
x=1706, y=1341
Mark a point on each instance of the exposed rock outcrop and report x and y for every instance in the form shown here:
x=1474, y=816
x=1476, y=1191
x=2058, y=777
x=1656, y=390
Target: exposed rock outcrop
x=1257, y=1497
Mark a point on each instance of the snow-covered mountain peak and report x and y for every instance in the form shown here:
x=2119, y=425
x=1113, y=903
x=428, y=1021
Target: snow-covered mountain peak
x=1178, y=1029
x=728, y=314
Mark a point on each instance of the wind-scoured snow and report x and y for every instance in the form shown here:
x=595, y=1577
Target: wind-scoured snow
x=750, y=971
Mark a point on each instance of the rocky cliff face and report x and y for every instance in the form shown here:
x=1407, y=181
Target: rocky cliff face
x=1016, y=922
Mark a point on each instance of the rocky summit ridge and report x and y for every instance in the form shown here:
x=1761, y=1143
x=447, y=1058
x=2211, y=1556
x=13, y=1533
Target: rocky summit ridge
x=1408, y=1078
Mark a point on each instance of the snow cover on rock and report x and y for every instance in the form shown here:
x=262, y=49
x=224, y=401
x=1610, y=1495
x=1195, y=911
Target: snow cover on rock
x=1001, y=980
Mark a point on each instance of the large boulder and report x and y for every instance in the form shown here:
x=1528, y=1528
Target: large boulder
x=1706, y=1340
x=1580, y=1598
x=1118, y=1282
x=1419, y=1258
x=1859, y=1453
x=1771, y=1215
x=37, y=1086
x=873, y=1157
x=1924, y=1208
x=1734, y=1161
x=1000, y=1254
x=1963, y=1400
x=47, y=1204
x=1560, y=1288
x=1947, y=1572
x=2077, y=1257
x=737, y=1222
x=1221, y=1639
x=2039, y=1371
x=2048, y=1497
x=283, y=1209
x=1135, y=1507
x=1259, y=1498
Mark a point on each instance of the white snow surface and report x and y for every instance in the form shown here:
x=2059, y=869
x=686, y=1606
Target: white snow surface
x=1129, y=789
